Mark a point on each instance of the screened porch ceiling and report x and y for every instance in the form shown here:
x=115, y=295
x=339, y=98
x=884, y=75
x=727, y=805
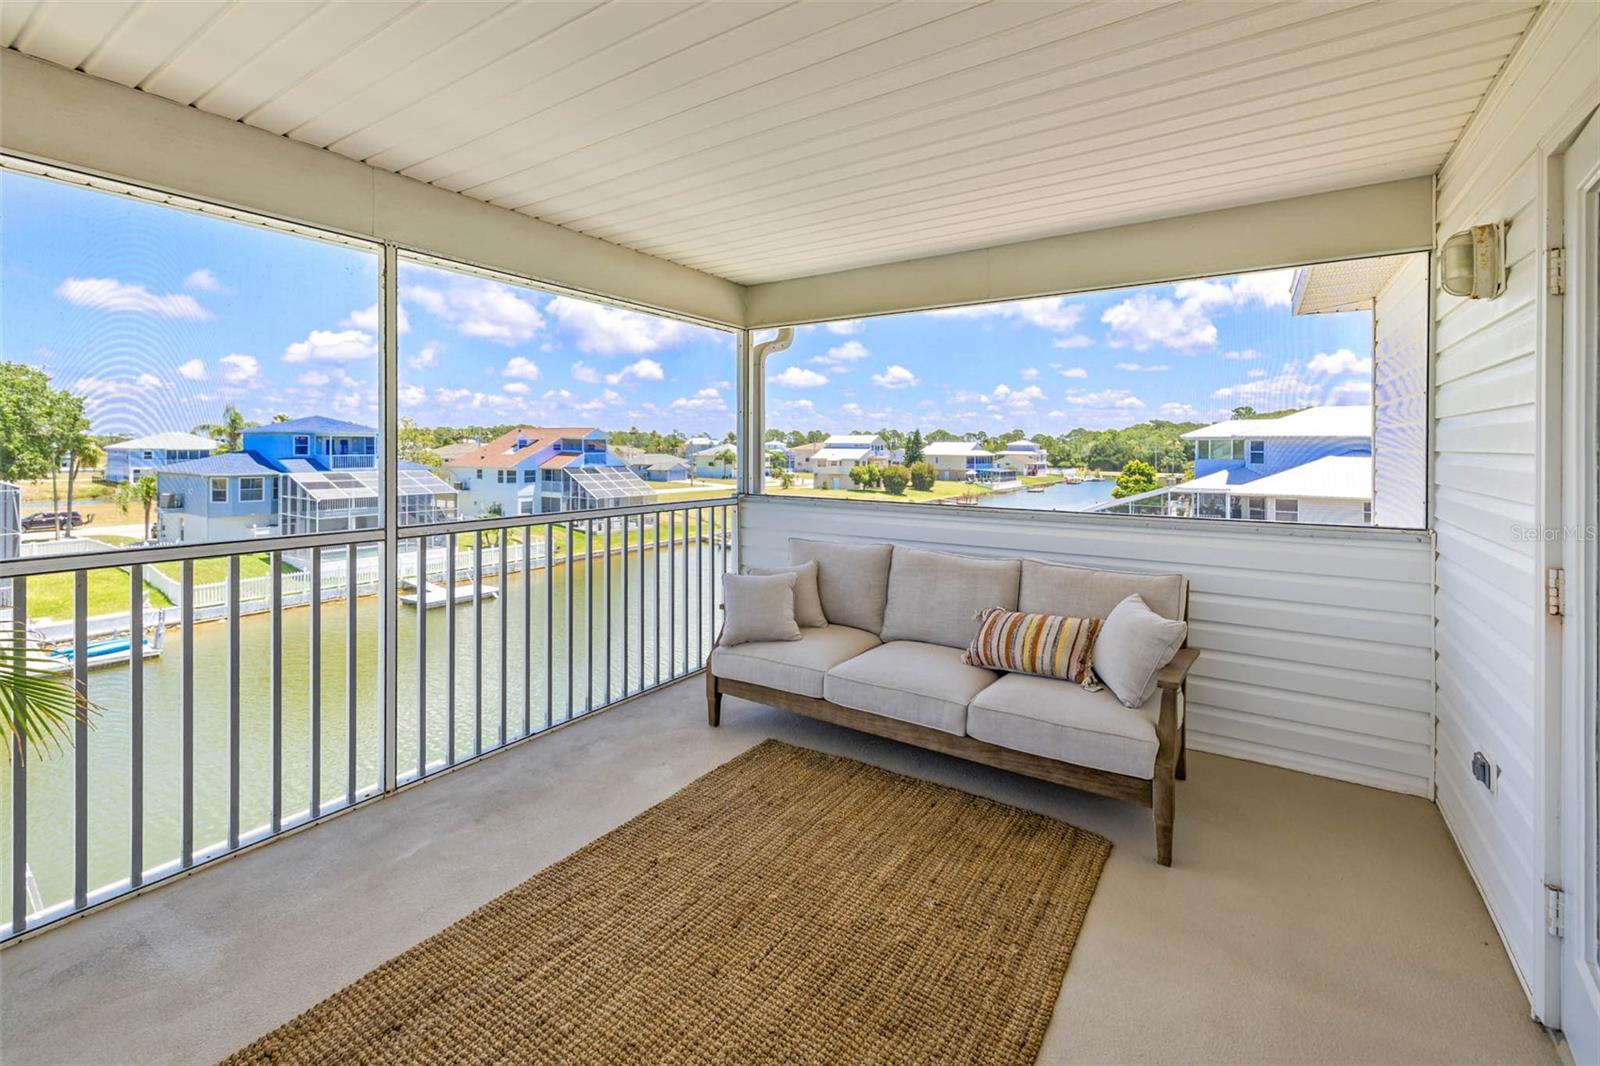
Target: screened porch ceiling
x=766, y=141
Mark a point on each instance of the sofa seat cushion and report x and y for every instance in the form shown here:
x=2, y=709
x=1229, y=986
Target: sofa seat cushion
x=1062, y=721
x=927, y=684
x=796, y=666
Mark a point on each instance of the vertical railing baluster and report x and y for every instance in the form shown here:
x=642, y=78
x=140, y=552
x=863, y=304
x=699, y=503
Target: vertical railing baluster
x=422, y=657
x=19, y=770
x=477, y=641
x=570, y=670
x=672, y=595
x=627, y=565
x=549, y=625
x=136, y=725
x=658, y=641
x=710, y=619
x=275, y=667
x=527, y=631
x=186, y=728
x=314, y=667
x=451, y=542
x=699, y=586
x=588, y=614
x=350, y=628
x=503, y=570
x=607, y=629
x=80, y=740
x=233, y=702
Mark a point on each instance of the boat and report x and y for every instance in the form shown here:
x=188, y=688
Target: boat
x=436, y=594
x=97, y=653
x=1035, y=488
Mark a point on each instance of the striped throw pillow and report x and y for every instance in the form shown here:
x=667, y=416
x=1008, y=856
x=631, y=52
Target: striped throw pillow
x=1047, y=645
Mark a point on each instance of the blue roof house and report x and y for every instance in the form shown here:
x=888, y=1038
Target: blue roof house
x=306, y=475
x=130, y=460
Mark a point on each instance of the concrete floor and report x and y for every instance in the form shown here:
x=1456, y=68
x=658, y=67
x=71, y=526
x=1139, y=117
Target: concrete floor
x=1304, y=920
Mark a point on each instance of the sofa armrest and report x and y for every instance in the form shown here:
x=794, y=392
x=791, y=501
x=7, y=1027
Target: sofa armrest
x=1174, y=673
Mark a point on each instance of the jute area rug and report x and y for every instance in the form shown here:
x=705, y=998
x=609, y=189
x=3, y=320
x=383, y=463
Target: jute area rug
x=789, y=906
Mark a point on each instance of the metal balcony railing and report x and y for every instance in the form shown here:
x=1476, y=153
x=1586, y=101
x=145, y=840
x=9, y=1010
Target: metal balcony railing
x=255, y=703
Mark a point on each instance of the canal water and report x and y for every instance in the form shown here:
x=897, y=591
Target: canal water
x=1059, y=497
x=682, y=646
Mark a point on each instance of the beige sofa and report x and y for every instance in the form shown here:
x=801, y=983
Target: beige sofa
x=889, y=662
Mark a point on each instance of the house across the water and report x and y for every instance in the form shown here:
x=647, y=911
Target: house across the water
x=129, y=460
x=306, y=475
x=532, y=470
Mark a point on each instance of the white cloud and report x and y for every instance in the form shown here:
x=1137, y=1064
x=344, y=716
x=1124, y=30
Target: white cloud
x=520, y=367
x=642, y=370
x=193, y=370
x=1143, y=321
x=425, y=359
x=1286, y=388
x=1343, y=361
x=1269, y=288
x=1047, y=312
x=412, y=395
x=705, y=401
x=147, y=381
x=1243, y=353
x=109, y=294
x=239, y=369
x=611, y=330
x=1011, y=399
x=852, y=409
x=517, y=387
x=1182, y=412
x=1144, y=368
x=202, y=280
x=1029, y=373
x=314, y=378
x=1351, y=392
x=1077, y=341
x=585, y=373
x=1255, y=372
x=896, y=376
x=484, y=309
x=1119, y=398
x=845, y=327
x=367, y=318
x=332, y=346
x=798, y=377
x=1073, y=372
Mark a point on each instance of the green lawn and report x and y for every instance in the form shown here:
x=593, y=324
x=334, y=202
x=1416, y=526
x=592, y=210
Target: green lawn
x=207, y=571
x=50, y=595
x=942, y=490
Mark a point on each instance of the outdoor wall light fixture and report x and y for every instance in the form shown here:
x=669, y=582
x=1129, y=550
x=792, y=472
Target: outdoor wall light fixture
x=1472, y=263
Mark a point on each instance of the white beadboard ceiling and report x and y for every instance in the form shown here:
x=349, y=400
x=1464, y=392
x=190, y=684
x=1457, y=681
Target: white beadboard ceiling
x=760, y=141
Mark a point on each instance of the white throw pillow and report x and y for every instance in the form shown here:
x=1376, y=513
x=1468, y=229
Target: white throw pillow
x=759, y=607
x=1133, y=646
x=807, y=599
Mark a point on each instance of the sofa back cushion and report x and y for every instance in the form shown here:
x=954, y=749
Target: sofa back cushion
x=1082, y=592
x=852, y=579
x=935, y=597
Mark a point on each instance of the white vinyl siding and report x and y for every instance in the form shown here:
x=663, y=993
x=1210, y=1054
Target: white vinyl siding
x=1400, y=398
x=1318, y=644
x=1486, y=473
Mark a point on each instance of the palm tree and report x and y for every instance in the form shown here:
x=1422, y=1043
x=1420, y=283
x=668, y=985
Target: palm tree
x=228, y=433
x=85, y=453
x=142, y=492
x=37, y=706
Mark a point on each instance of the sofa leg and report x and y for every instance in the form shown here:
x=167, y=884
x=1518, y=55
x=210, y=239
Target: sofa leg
x=713, y=701
x=1182, y=773
x=1163, y=809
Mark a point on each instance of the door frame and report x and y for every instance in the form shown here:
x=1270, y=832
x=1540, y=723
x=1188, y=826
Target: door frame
x=1572, y=324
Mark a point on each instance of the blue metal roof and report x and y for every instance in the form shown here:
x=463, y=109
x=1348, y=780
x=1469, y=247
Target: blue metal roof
x=315, y=424
x=228, y=464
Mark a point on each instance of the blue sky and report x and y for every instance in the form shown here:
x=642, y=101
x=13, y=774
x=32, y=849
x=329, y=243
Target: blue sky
x=160, y=317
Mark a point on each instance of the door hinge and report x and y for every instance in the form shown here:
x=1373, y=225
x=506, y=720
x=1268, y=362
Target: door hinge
x=1556, y=271
x=1555, y=591
x=1554, y=916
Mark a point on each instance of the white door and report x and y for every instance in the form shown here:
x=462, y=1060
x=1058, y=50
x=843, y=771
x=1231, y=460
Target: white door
x=1580, y=823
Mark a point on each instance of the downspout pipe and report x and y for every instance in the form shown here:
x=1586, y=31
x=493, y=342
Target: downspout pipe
x=753, y=428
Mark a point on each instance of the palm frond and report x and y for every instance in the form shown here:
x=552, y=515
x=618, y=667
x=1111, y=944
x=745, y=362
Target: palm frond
x=38, y=706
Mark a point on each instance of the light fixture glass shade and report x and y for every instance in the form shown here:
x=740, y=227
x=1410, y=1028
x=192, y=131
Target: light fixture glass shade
x=1472, y=262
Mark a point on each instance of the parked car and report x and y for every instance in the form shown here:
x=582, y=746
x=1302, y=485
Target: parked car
x=51, y=520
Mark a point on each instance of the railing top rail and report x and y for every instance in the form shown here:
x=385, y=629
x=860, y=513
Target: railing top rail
x=53, y=564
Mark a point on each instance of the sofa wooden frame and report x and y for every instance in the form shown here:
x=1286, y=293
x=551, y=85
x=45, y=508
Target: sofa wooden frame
x=1157, y=792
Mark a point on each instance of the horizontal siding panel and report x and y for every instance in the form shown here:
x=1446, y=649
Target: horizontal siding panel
x=1506, y=431
x=1317, y=645
x=1382, y=693
x=1507, y=570
x=1495, y=343
x=1498, y=521
x=1507, y=476
x=1507, y=385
